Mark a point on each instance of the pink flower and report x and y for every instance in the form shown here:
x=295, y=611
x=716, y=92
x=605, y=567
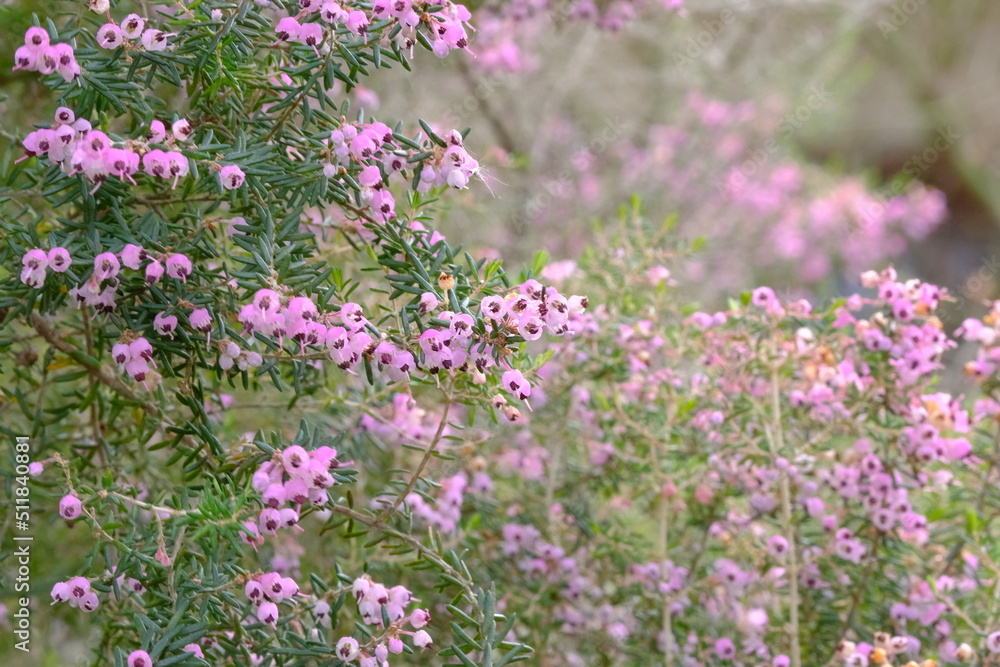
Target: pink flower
x=181, y=129
x=157, y=132
x=66, y=63
x=165, y=324
x=35, y=259
x=428, y=302
x=106, y=266
x=154, y=271
x=494, y=307
x=422, y=639
x=110, y=36
x=178, y=266
x=70, y=507
x=725, y=649
x=89, y=602
x=357, y=22
x=287, y=29
x=195, y=649
x=778, y=546
x=137, y=368
x=36, y=38
x=131, y=256
x=132, y=26
x=155, y=40
x=420, y=618
x=295, y=460
x=232, y=177
x=139, y=659
x=331, y=12
x=515, y=383
x=34, y=263
x=267, y=612
x=141, y=349
x=347, y=649
x=61, y=592
x=311, y=34
x=370, y=176
x=200, y=319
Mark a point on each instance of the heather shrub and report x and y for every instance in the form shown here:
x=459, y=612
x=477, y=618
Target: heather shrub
x=262, y=412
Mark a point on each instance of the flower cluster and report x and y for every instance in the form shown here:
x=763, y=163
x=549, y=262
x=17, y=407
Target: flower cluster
x=266, y=591
x=39, y=55
x=294, y=477
x=73, y=144
x=133, y=356
x=77, y=592
x=375, y=150
x=510, y=33
x=78, y=149
x=374, y=600
x=446, y=24
x=36, y=261
x=133, y=27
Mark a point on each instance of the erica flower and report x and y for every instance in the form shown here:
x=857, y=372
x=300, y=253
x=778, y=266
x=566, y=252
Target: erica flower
x=331, y=12
x=725, y=649
x=267, y=612
x=36, y=38
x=422, y=639
x=428, y=302
x=70, y=507
x=178, y=266
x=106, y=266
x=494, y=307
x=347, y=649
x=132, y=26
x=515, y=383
x=139, y=659
x=200, y=319
x=131, y=256
x=157, y=132
x=110, y=36
x=155, y=40
x=165, y=324
x=311, y=34
x=287, y=29
x=778, y=546
x=195, y=649
x=357, y=22
x=763, y=297
x=154, y=271
x=232, y=177
x=181, y=129
x=33, y=264
x=420, y=618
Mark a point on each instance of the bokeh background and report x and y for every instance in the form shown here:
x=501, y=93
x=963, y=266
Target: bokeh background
x=910, y=93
